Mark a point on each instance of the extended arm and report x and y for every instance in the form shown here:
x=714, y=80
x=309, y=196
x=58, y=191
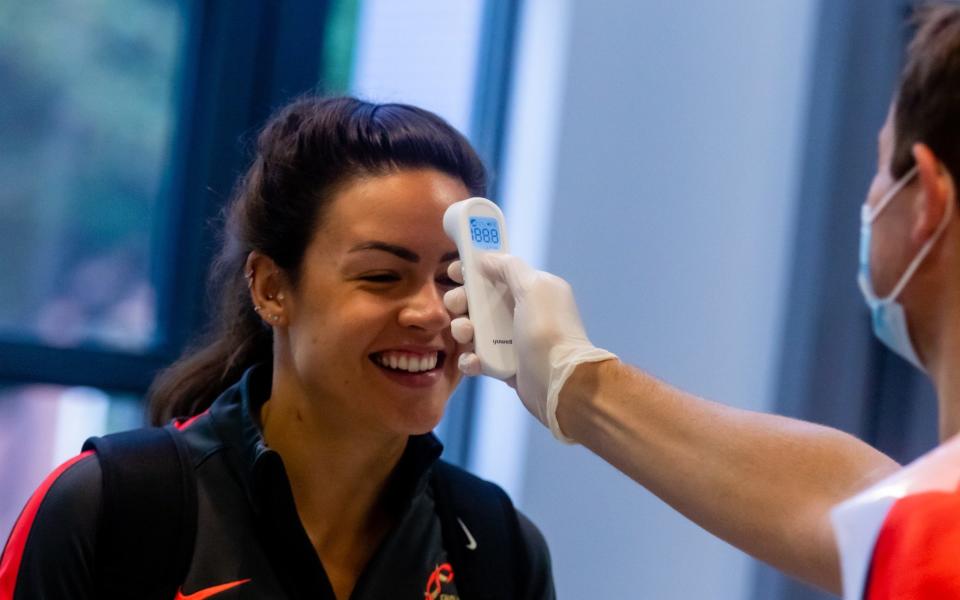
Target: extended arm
x=763, y=483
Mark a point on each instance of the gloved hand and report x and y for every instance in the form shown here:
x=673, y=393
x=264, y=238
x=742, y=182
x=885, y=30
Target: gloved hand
x=547, y=333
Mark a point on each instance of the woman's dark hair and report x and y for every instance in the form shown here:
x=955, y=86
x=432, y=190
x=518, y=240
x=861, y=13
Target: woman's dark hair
x=304, y=154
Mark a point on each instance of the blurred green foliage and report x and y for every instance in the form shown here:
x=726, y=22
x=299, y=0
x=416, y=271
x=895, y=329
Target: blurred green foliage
x=87, y=115
x=86, y=119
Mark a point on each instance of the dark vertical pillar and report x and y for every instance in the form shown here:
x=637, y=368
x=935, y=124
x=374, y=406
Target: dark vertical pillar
x=832, y=370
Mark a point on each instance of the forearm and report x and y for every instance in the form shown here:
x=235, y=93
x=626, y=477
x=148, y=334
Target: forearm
x=763, y=483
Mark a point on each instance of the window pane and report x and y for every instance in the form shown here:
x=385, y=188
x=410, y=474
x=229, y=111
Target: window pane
x=86, y=116
x=41, y=426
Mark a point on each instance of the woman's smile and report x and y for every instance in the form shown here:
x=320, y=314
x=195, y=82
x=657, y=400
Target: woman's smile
x=411, y=366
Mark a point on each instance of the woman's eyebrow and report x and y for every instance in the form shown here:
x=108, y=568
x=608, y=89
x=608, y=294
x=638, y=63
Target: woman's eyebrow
x=399, y=251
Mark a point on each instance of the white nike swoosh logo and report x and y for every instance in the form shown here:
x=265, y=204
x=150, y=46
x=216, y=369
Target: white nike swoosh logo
x=471, y=543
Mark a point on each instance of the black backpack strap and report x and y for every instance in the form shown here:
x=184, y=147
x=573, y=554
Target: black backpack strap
x=481, y=534
x=149, y=515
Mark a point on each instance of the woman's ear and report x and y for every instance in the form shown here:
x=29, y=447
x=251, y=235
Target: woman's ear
x=936, y=192
x=267, y=283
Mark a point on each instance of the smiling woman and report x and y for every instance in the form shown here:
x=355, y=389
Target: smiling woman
x=306, y=411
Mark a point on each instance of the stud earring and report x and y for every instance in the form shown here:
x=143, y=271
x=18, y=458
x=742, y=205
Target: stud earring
x=257, y=308
x=280, y=296
x=274, y=318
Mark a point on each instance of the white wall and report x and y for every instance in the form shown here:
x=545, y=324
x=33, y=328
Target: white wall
x=674, y=184
x=421, y=52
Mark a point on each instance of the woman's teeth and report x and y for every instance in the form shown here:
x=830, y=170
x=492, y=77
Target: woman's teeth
x=412, y=363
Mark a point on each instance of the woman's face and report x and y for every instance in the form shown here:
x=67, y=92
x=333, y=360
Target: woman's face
x=368, y=333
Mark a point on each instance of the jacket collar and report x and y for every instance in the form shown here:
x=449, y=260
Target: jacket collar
x=235, y=416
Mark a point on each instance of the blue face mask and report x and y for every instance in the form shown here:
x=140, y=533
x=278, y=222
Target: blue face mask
x=889, y=318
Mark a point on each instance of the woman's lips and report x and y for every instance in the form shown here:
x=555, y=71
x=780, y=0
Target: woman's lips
x=410, y=369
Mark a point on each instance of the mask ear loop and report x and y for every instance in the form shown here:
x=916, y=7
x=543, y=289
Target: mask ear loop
x=869, y=216
x=927, y=247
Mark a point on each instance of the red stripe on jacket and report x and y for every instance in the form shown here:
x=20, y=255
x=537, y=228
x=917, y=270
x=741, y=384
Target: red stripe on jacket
x=181, y=425
x=13, y=553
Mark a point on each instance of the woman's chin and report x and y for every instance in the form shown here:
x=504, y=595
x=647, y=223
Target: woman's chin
x=420, y=420
x=422, y=426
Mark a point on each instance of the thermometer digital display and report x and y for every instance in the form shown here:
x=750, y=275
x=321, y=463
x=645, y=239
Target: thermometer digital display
x=485, y=233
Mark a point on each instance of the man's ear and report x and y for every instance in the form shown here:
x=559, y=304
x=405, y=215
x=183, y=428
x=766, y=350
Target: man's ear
x=936, y=192
x=267, y=283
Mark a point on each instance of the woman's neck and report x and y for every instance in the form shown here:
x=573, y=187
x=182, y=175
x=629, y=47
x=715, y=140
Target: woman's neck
x=338, y=473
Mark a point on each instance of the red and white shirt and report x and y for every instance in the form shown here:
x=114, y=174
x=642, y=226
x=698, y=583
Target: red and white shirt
x=900, y=539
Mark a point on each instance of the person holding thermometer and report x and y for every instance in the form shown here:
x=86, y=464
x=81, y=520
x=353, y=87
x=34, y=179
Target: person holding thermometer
x=780, y=478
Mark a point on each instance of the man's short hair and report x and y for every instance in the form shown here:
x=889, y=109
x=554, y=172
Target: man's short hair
x=928, y=99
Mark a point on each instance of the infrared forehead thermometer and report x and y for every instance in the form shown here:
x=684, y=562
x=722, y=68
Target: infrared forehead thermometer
x=476, y=226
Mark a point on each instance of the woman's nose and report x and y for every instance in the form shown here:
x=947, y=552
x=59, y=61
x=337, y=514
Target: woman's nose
x=425, y=309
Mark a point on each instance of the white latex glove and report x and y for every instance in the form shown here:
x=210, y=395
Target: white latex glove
x=547, y=333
